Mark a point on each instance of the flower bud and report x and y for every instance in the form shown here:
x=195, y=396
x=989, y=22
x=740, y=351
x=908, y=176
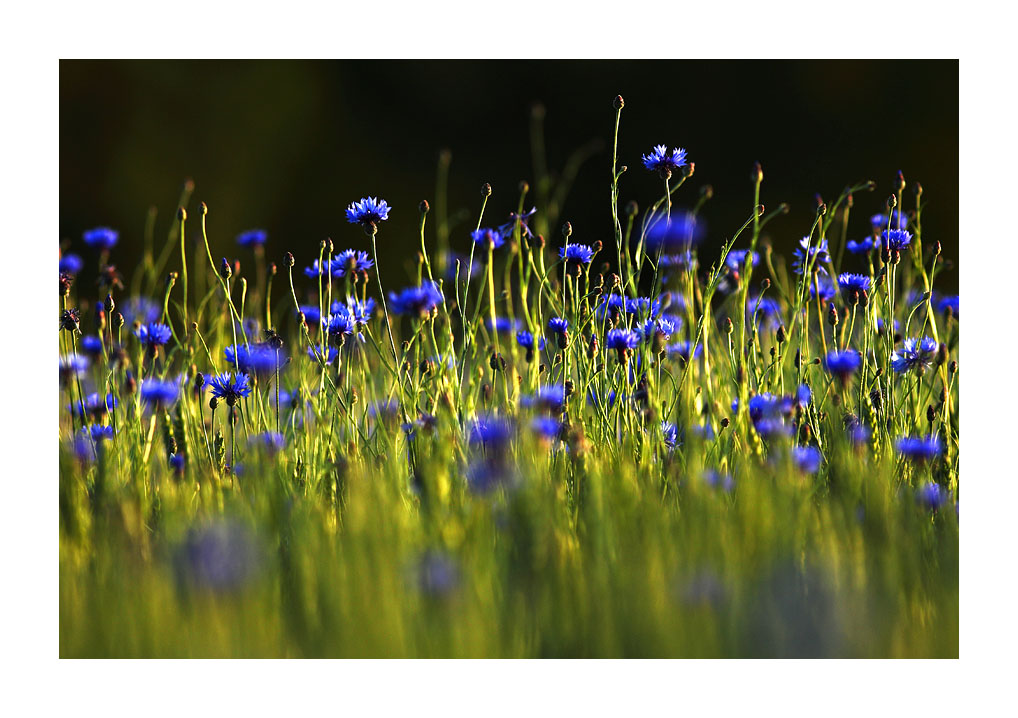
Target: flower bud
x=486, y=190
x=619, y=103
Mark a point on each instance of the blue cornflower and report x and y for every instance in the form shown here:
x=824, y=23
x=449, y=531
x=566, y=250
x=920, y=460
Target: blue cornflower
x=652, y=329
x=858, y=433
x=896, y=239
x=383, y=409
x=643, y=306
x=766, y=312
x=487, y=237
x=351, y=260
x=915, y=354
x=252, y=238
x=341, y=325
x=141, y=309
x=95, y=405
x=817, y=254
x=920, y=448
x=73, y=364
x=507, y=229
x=827, y=289
x=502, y=324
x=547, y=427
x=71, y=264
x=670, y=434
x=623, y=341
x=879, y=220
x=319, y=268
x=359, y=312
x=558, y=325
x=807, y=459
x=177, y=463
x=256, y=358
x=853, y=284
x=612, y=305
x=230, y=387
x=843, y=364
x=153, y=335
x=527, y=340
x=100, y=432
x=491, y=432
x=736, y=259
x=663, y=162
x=159, y=393
x=677, y=235
x=681, y=260
x=221, y=557
x=931, y=496
x=91, y=344
x=862, y=246
x=419, y=301
x=102, y=238
x=949, y=303
x=367, y=213
x=550, y=398
x=682, y=349
x=329, y=356
x=576, y=255
x=312, y=314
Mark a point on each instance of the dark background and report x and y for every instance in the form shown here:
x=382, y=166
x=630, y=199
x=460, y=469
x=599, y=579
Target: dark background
x=286, y=145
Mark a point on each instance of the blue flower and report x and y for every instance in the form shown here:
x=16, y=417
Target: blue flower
x=102, y=238
x=920, y=448
x=221, y=557
x=329, y=356
x=486, y=475
x=153, y=335
x=383, y=409
x=879, y=221
x=896, y=239
x=351, y=260
x=100, y=432
x=141, y=309
x=177, y=462
x=419, y=301
x=663, y=162
x=547, y=427
x=368, y=212
x=622, y=341
x=340, y=326
x=862, y=246
x=827, y=289
x=252, y=238
x=915, y=354
x=682, y=260
x=807, y=459
x=576, y=254
x=436, y=574
x=71, y=365
x=853, y=284
x=159, y=393
x=491, y=432
x=670, y=434
x=736, y=259
x=71, y=264
x=550, y=398
x=558, y=325
x=507, y=229
x=843, y=364
x=766, y=312
x=949, y=303
x=319, y=268
x=931, y=496
x=256, y=358
x=312, y=314
x=229, y=387
x=95, y=405
x=817, y=255
x=502, y=324
x=91, y=344
x=526, y=340
x=677, y=235
x=485, y=237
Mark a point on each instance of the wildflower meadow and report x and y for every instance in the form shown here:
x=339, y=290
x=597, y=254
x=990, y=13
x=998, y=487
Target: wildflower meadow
x=659, y=437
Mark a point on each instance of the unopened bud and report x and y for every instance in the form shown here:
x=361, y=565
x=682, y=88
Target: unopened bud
x=619, y=103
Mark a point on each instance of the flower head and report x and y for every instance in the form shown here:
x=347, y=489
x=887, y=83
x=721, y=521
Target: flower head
x=951, y=303
x=351, y=261
x=915, y=355
x=255, y=358
x=100, y=432
x=931, y=496
x=682, y=350
x=417, y=301
x=230, y=387
x=670, y=434
x=811, y=254
x=491, y=432
x=677, y=234
x=547, y=427
x=853, y=285
x=487, y=237
x=862, y=246
x=558, y=325
x=920, y=448
x=502, y=324
x=879, y=221
x=576, y=255
x=843, y=364
x=807, y=459
x=252, y=238
x=622, y=341
x=826, y=287
x=70, y=264
x=663, y=162
x=896, y=239
x=507, y=229
x=102, y=238
x=269, y=441
x=140, y=309
x=153, y=335
x=367, y=213
x=527, y=340
x=158, y=393
x=550, y=398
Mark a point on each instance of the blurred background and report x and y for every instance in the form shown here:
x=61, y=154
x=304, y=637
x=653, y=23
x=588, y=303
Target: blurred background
x=287, y=145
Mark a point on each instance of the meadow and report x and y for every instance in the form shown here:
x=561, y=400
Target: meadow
x=657, y=438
